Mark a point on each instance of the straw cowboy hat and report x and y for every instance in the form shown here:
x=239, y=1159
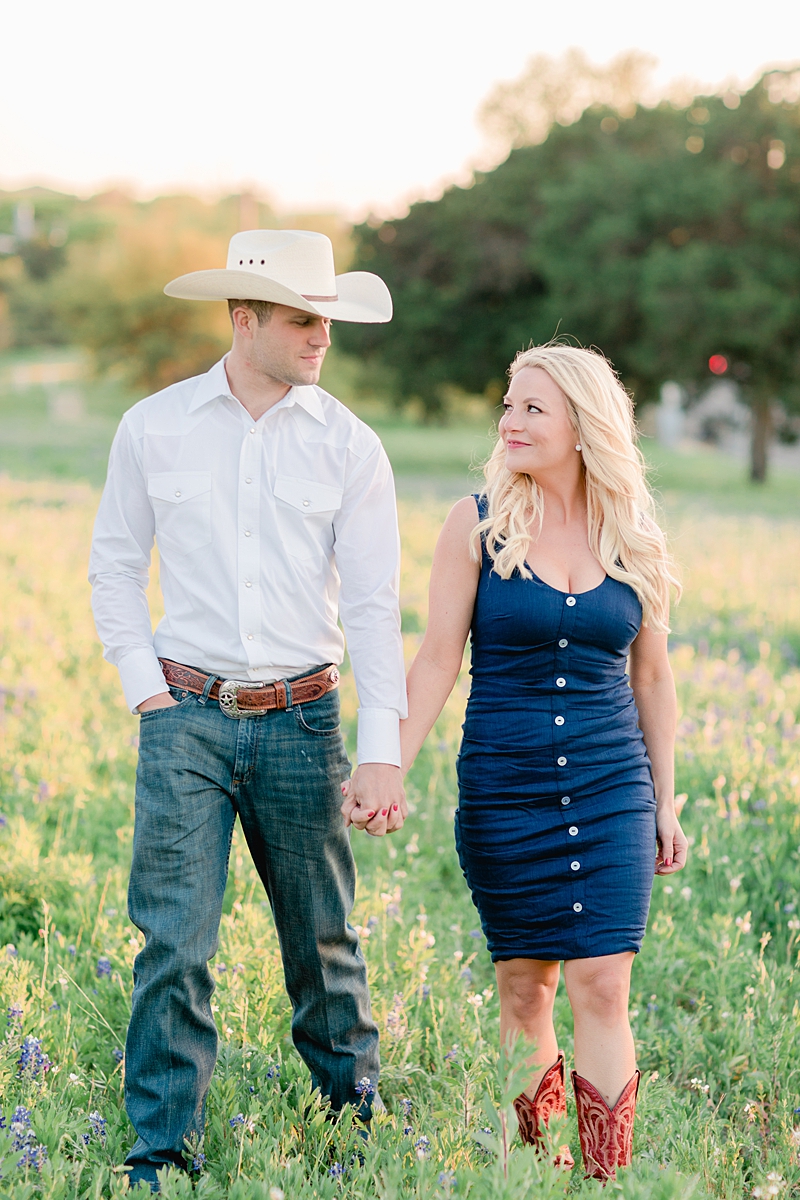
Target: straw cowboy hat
x=293, y=267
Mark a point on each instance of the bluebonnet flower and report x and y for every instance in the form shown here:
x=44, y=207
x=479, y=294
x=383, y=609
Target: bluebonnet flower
x=198, y=1162
x=54, y=1008
x=71, y=951
x=11, y=951
x=406, y=1105
x=98, y=1125
x=221, y=968
x=33, y=1061
x=466, y=974
x=452, y=1054
x=237, y=1120
x=425, y=991
x=476, y=933
x=15, y=1013
x=117, y=1054
x=372, y=922
x=336, y=1171
x=422, y=1146
x=447, y=1179
x=34, y=1154
x=273, y=1071
x=103, y=967
x=364, y=1087
x=3, y=820
x=86, y=1138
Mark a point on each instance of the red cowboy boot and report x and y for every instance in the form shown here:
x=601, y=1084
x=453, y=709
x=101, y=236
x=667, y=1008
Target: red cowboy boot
x=606, y=1133
x=550, y=1101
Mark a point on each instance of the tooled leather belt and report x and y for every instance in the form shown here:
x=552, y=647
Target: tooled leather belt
x=238, y=698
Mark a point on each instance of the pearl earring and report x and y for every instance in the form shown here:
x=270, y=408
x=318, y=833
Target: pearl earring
x=579, y=447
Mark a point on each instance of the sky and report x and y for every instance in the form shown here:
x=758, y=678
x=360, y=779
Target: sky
x=344, y=105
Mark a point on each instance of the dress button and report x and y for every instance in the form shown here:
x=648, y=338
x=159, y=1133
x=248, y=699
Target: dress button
x=565, y=800
x=576, y=866
x=561, y=760
x=559, y=720
x=573, y=831
x=570, y=601
x=577, y=906
x=177, y=493
x=561, y=681
x=563, y=643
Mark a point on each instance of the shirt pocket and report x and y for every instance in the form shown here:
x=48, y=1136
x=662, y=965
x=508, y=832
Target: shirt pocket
x=305, y=511
x=181, y=503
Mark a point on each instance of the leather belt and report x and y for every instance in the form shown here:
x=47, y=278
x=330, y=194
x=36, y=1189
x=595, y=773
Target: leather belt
x=239, y=698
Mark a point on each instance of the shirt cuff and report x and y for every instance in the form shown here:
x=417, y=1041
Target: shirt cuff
x=379, y=736
x=141, y=675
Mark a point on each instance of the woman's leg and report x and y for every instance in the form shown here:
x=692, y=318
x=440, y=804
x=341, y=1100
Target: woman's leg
x=527, y=990
x=598, y=990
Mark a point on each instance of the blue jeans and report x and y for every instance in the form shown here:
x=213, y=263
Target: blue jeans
x=280, y=772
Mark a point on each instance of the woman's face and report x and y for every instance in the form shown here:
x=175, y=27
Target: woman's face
x=536, y=428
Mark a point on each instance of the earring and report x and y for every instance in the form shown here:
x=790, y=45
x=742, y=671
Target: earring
x=579, y=447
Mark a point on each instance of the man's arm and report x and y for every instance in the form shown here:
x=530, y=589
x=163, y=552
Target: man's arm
x=367, y=547
x=119, y=570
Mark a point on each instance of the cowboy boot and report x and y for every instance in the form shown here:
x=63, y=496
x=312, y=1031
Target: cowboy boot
x=550, y=1101
x=606, y=1133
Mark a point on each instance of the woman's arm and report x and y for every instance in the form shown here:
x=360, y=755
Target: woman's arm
x=453, y=584
x=451, y=600
x=654, y=690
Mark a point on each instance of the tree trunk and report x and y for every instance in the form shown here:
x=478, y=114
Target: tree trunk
x=760, y=434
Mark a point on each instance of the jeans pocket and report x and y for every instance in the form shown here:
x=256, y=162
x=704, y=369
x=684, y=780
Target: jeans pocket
x=321, y=717
x=184, y=700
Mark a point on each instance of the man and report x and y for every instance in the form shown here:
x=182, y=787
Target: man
x=274, y=513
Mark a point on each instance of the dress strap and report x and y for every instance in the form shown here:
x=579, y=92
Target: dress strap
x=482, y=503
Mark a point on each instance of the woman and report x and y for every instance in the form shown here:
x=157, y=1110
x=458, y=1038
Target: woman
x=565, y=772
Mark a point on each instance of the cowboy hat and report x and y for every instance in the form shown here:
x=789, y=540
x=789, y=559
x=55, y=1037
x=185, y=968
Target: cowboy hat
x=292, y=267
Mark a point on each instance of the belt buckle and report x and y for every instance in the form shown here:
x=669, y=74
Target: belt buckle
x=228, y=691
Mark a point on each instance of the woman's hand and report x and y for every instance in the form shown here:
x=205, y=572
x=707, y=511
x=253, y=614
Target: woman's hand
x=374, y=799
x=673, y=845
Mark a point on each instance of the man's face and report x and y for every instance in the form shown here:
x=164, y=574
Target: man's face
x=290, y=348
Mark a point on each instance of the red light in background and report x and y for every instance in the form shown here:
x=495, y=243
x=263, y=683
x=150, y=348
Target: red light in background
x=718, y=364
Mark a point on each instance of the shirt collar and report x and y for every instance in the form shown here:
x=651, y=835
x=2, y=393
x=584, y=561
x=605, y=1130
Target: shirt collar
x=214, y=384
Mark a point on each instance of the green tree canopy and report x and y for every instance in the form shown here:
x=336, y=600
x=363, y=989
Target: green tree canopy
x=662, y=238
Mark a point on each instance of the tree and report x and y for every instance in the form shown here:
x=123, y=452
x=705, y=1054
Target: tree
x=664, y=238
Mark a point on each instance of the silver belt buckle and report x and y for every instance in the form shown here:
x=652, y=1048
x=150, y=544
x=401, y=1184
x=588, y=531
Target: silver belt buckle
x=228, y=691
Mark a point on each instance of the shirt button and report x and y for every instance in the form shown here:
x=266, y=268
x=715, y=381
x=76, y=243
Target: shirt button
x=247, y=533
x=562, y=762
x=576, y=866
x=247, y=583
x=248, y=480
x=253, y=431
x=573, y=831
x=577, y=906
x=306, y=503
x=570, y=601
x=565, y=800
x=177, y=493
x=563, y=643
x=561, y=681
x=559, y=720
x=249, y=637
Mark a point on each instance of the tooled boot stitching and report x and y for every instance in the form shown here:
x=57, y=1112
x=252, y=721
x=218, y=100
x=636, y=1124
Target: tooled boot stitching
x=550, y=1101
x=606, y=1134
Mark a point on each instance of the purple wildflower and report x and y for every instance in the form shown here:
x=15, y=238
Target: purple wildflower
x=198, y=1162
x=422, y=1146
x=33, y=1061
x=273, y=1072
x=237, y=1120
x=336, y=1171
x=364, y=1087
x=98, y=1125
x=117, y=1054
x=103, y=967
x=15, y=1013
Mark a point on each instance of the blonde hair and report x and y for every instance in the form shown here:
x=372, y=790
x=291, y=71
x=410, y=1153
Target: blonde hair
x=623, y=534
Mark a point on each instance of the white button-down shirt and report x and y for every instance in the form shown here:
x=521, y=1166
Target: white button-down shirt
x=267, y=532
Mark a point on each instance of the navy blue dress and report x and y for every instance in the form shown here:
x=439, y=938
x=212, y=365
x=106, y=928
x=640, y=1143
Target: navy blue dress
x=555, y=828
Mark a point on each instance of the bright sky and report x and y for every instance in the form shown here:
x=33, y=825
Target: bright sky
x=347, y=104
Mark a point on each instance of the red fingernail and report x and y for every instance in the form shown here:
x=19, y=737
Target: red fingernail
x=344, y=788
x=384, y=811
x=394, y=808
x=372, y=814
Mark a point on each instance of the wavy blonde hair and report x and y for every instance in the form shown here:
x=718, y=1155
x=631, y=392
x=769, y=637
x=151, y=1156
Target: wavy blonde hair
x=623, y=534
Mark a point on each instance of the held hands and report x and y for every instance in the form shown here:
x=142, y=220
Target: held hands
x=374, y=799
x=673, y=845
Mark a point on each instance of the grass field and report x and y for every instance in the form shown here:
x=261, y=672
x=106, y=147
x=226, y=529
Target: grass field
x=715, y=989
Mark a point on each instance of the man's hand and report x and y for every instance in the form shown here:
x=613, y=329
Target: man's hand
x=374, y=799
x=162, y=700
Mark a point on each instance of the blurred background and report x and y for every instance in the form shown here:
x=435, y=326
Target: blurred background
x=629, y=179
